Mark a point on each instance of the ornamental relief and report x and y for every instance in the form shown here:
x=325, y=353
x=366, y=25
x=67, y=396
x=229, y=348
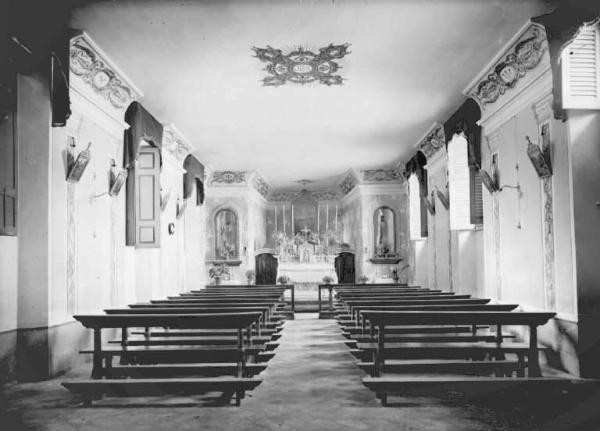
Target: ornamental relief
x=94, y=71
x=433, y=142
x=379, y=175
x=525, y=55
x=261, y=186
x=291, y=196
x=175, y=144
x=348, y=184
x=228, y=177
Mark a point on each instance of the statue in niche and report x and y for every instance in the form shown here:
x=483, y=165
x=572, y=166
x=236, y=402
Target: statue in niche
x=226, y=234
x=384, y=232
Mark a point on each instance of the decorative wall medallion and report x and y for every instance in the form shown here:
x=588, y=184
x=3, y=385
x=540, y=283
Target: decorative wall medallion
x=175, y=143
x=302, y=66
x=521, y=57
x=85, y=63
x=378, y=175
x=348, y=183
x=228, y=177
x=434, y=141
x=261, y=185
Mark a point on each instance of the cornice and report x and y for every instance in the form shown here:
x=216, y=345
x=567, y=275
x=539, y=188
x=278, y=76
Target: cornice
x=174, y=142
x=97, y=77
x=514, y=64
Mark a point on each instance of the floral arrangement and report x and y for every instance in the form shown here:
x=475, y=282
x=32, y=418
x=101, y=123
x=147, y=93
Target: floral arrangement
x=363, y=279
x=327, y=279
x=283, y=279
x=218, y=271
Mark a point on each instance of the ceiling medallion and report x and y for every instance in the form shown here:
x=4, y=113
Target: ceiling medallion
x=302, y=66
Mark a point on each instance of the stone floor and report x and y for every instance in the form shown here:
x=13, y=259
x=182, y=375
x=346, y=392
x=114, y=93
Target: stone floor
x=311, y=384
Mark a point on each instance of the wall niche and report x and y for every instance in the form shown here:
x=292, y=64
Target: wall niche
x=384, y=236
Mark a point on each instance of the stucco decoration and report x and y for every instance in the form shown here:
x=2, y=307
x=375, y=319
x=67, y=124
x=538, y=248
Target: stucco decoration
x=229, y=177
x=315, y=195
x=261, y=185
x=348, y=183
x=302, y=66
x=434, y=141
x=175, y=143
x=90, y=64
x=380, y=175
x=525, y=54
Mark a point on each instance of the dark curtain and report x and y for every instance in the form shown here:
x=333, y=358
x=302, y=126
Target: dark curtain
x=59, y=81
x=344, y=268
x=194, y=175
x=266, y=269
x=143, y=126
x=562, y=26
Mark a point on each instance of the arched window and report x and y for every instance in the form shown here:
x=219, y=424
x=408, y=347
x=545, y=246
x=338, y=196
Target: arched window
x=226, y=234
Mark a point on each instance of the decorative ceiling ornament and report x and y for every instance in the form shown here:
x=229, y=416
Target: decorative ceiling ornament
x=302, y=66
x=228, y=177
x=261, y=185
x=86, y=63
x=316, y=195
x=434, y=141
x=380, y=175
x=524, y=55
x=348, y=183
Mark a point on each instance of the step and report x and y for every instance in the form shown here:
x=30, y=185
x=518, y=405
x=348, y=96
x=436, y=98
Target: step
x=93, y=389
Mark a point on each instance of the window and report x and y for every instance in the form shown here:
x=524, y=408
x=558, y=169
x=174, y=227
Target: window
x=414, y=202
x=143, y=199
x=581, y=70
x=464, y=184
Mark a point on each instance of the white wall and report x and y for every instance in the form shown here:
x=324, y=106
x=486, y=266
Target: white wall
x=8, y=275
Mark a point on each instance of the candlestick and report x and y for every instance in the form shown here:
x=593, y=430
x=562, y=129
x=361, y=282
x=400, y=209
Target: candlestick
x=336, y=220
x=327, y=217
x=293, y=227
x=275, y=213
x=318, y=211
x=283, y=206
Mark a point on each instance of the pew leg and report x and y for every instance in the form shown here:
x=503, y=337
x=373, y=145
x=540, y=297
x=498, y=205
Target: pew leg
x=533, y=359
x=238, y=398
x=97, y=359
x=87, y=401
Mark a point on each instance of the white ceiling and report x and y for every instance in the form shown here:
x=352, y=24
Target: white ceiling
x=409, y=62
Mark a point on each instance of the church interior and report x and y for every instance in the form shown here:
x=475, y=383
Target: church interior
x=300, y=215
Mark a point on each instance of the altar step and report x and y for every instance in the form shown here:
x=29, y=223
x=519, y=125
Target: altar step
x=306, y=306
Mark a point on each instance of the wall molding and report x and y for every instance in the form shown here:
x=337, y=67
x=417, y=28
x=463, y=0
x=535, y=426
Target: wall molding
x=175, y=143
x=433, y=141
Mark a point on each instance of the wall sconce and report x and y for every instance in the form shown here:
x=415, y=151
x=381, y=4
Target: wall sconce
x=181, y=208
x=540, y=160
x=444, y=199
x=117, y=179
x=164, y=199
x=76, y=167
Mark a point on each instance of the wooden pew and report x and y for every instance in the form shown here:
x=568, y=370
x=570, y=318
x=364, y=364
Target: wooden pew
x=330, y=287
x=237, y=384
x=289, y=287
x=381, y=319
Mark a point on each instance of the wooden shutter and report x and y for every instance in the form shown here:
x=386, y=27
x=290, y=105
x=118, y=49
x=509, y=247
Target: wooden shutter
x=581, y=70
x=8, y=175
x=476, y=196
x=143, y=199
x=414, y=202
x=459, y=181
x=423, y=192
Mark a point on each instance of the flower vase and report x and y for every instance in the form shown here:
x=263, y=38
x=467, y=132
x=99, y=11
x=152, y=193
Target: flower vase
x=217, y=281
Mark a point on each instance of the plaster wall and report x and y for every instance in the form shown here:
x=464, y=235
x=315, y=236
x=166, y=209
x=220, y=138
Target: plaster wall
x=352, y=216
x=8, y=274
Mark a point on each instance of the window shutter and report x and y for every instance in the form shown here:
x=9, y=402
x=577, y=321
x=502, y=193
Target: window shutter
x=459, y=179
x=414, y=203
x=143, y=199
x=476, y=196
x=581, y=70
x=8, y=175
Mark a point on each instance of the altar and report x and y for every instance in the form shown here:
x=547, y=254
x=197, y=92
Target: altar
x=306, y=276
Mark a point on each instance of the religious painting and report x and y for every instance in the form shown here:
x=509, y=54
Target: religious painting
x=226, y=234
x=384, y=232
x=305, y=218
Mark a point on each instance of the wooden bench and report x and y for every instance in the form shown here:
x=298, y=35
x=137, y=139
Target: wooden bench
x=342, y=287
x=235, y=357
x=244, y=288
x=381, y=319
